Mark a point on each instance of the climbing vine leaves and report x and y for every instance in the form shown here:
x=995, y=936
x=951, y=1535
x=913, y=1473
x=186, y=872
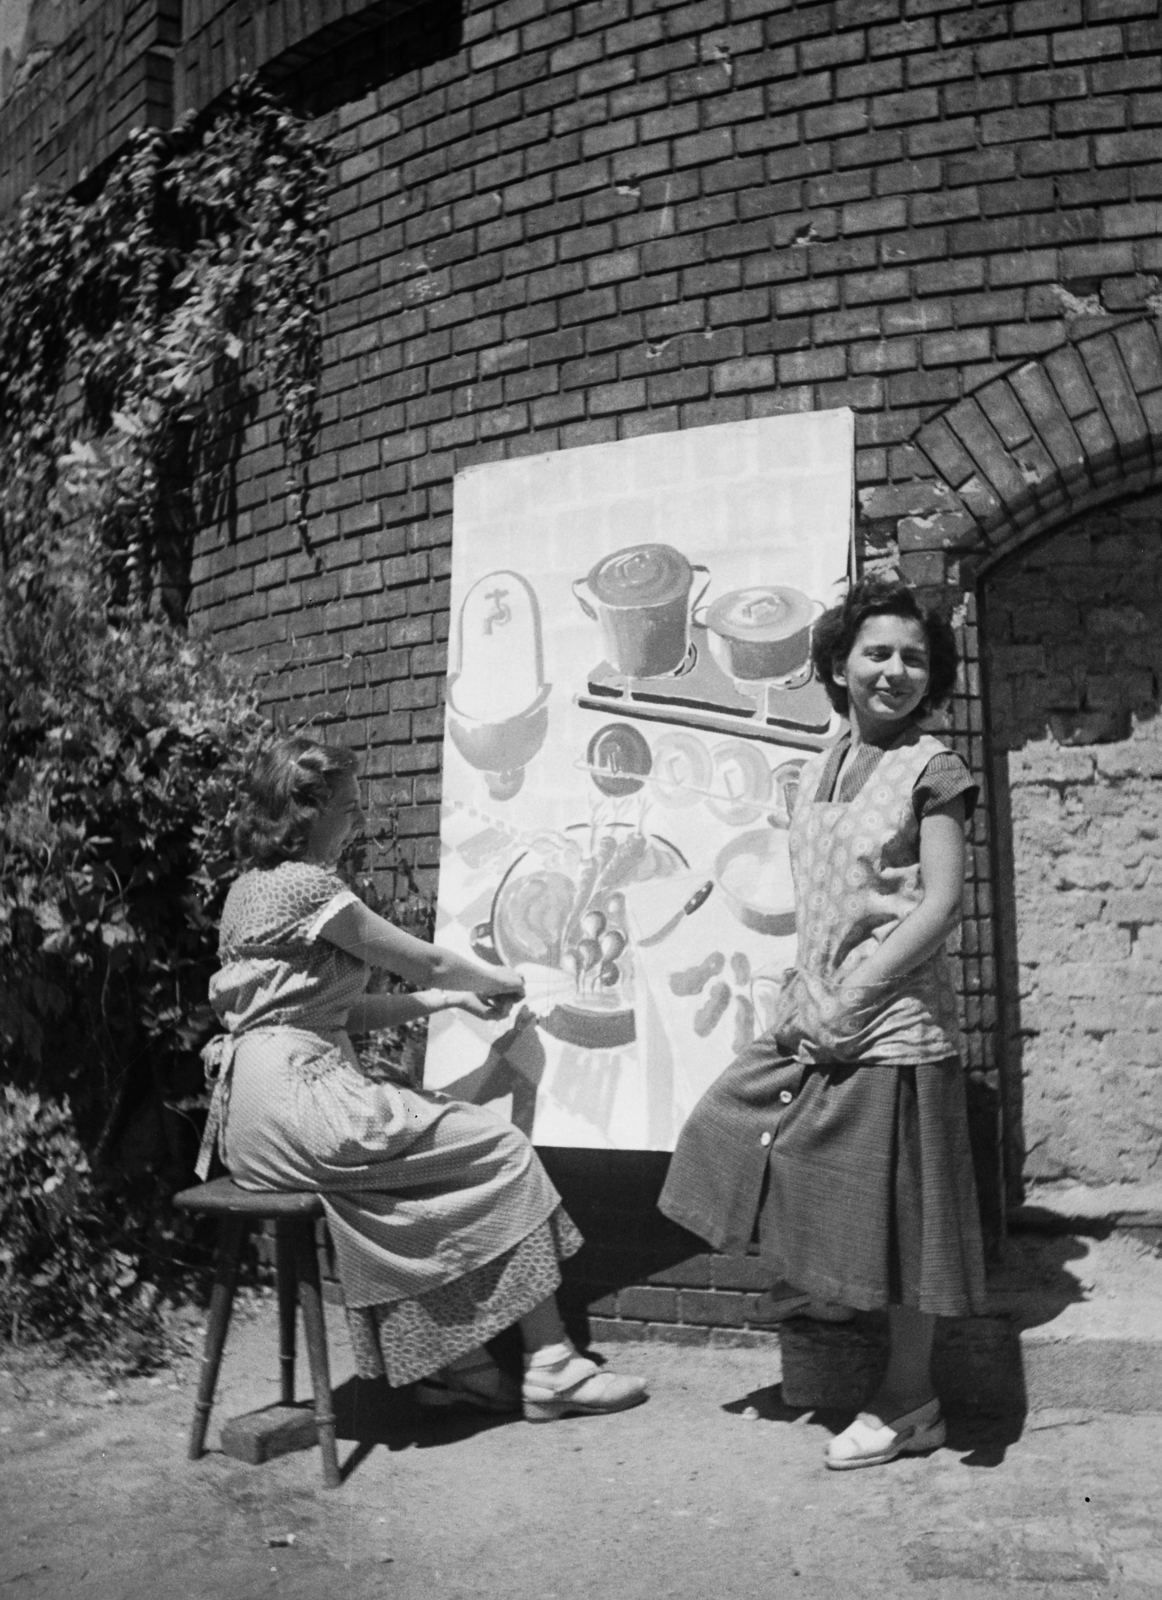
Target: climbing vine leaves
x=149, y=331
x=144, y=328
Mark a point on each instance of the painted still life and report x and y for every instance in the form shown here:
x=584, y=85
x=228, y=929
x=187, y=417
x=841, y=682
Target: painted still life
x=630, y=701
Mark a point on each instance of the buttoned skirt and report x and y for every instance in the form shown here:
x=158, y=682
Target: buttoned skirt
x=856, y=1180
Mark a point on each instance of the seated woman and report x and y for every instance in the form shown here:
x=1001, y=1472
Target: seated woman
x=445, y=1226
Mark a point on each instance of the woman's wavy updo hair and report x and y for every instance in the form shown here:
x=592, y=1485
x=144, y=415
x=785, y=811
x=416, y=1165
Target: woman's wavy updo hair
x=836, y=631
x=287, y=788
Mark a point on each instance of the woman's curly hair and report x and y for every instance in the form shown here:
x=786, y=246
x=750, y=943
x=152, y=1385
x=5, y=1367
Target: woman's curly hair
x=287, y=788
x=836, y=631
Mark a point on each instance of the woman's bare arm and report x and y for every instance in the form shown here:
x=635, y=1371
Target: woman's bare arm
x=925, y=929
x=361, y=933
x=375, y=1011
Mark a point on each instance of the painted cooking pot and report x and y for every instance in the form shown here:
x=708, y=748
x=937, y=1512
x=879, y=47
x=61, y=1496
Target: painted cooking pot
x=641, y=599
x=762, y=632
x=753, y=873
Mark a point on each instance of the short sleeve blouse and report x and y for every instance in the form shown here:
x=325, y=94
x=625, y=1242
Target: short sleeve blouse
x=284, y=905
x=944, y=778
x=276, y=969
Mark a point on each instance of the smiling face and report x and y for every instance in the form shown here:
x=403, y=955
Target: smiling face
x=336, y=823
x=885, y=675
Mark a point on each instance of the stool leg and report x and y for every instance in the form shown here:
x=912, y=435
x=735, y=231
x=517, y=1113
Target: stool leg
x=284, y=1246
x=230, y=1236
x=311, y=1300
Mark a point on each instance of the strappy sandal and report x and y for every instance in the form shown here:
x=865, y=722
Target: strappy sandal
x=868, y=1442
x=482, y=1385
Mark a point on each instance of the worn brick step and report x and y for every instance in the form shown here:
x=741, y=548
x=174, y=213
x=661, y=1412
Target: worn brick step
x=277, y=1430
x=1073, y=1324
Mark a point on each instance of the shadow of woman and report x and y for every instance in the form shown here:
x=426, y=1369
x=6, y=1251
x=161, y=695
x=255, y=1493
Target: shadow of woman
x=370, y=1412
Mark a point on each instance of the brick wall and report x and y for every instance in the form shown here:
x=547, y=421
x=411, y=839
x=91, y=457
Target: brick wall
x=589, y=221
x=556, y=224
x=113, y=73
x=1075, y=656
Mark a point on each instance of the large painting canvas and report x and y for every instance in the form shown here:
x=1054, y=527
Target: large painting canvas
x=630, y=701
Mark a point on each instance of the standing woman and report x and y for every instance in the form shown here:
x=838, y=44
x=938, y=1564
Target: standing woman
x=446, y=1227
x=845, y=1127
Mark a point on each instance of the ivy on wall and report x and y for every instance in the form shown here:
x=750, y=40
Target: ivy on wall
x=142, y=327
x=138, y=328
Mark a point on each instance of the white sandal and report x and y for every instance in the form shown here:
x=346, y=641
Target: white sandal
x=577, y=1387
x=868, y=1442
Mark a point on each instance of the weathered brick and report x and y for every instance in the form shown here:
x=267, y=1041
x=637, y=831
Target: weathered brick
x=1091, y=116
x=1142, y=355
x=1015, y=55
x=1007, y=127
x=885, y=356
x=1040, y=400
x=941, y=66
x=869, y=78
x=845, y=326
x=922, y=388
x=938, y=138
x=1132, y=221
x=917, y=244
x=811, y=366
x=834, y=189
x=1069, y=377
x=955, y=347
x=827, y=122
x=1112, y=149
x=715, y=1308
x=588, y=224
x=949, y=276
x=986, y=23
x=1087, y=44
x=1115, y=391
x=649, y=1304
x=900, y=37
x=999, y=404
x=861, y=287
x=875, y=216
x=995, y=463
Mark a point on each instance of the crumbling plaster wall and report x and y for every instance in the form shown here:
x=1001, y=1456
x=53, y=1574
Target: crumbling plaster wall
x=1073, y=642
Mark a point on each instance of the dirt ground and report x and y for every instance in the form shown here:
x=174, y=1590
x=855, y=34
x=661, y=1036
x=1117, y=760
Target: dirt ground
x=713, y=1488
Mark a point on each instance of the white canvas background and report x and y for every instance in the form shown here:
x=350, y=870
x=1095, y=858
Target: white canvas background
x=764, y=502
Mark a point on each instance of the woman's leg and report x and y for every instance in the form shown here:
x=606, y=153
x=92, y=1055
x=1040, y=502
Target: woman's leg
x=559, y=1381
x=542, y=1327
x=478, y=1380
x=903, y=1416
x=907, y=1383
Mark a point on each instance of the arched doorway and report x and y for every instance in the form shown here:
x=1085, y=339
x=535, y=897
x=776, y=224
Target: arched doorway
x=1041, y=526
x=1071, y=636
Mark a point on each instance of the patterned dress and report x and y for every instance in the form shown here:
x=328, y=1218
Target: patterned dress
x=445, y=1226
x=846, y=1136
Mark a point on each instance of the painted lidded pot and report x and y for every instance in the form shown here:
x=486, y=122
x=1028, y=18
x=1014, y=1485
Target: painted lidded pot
x=641, y=599
x=762, y=632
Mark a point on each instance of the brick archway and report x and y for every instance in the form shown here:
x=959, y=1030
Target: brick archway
x=1022, y=454
x=1049, y=439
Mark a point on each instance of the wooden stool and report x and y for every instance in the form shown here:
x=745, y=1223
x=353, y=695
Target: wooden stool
x=293, y=1214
